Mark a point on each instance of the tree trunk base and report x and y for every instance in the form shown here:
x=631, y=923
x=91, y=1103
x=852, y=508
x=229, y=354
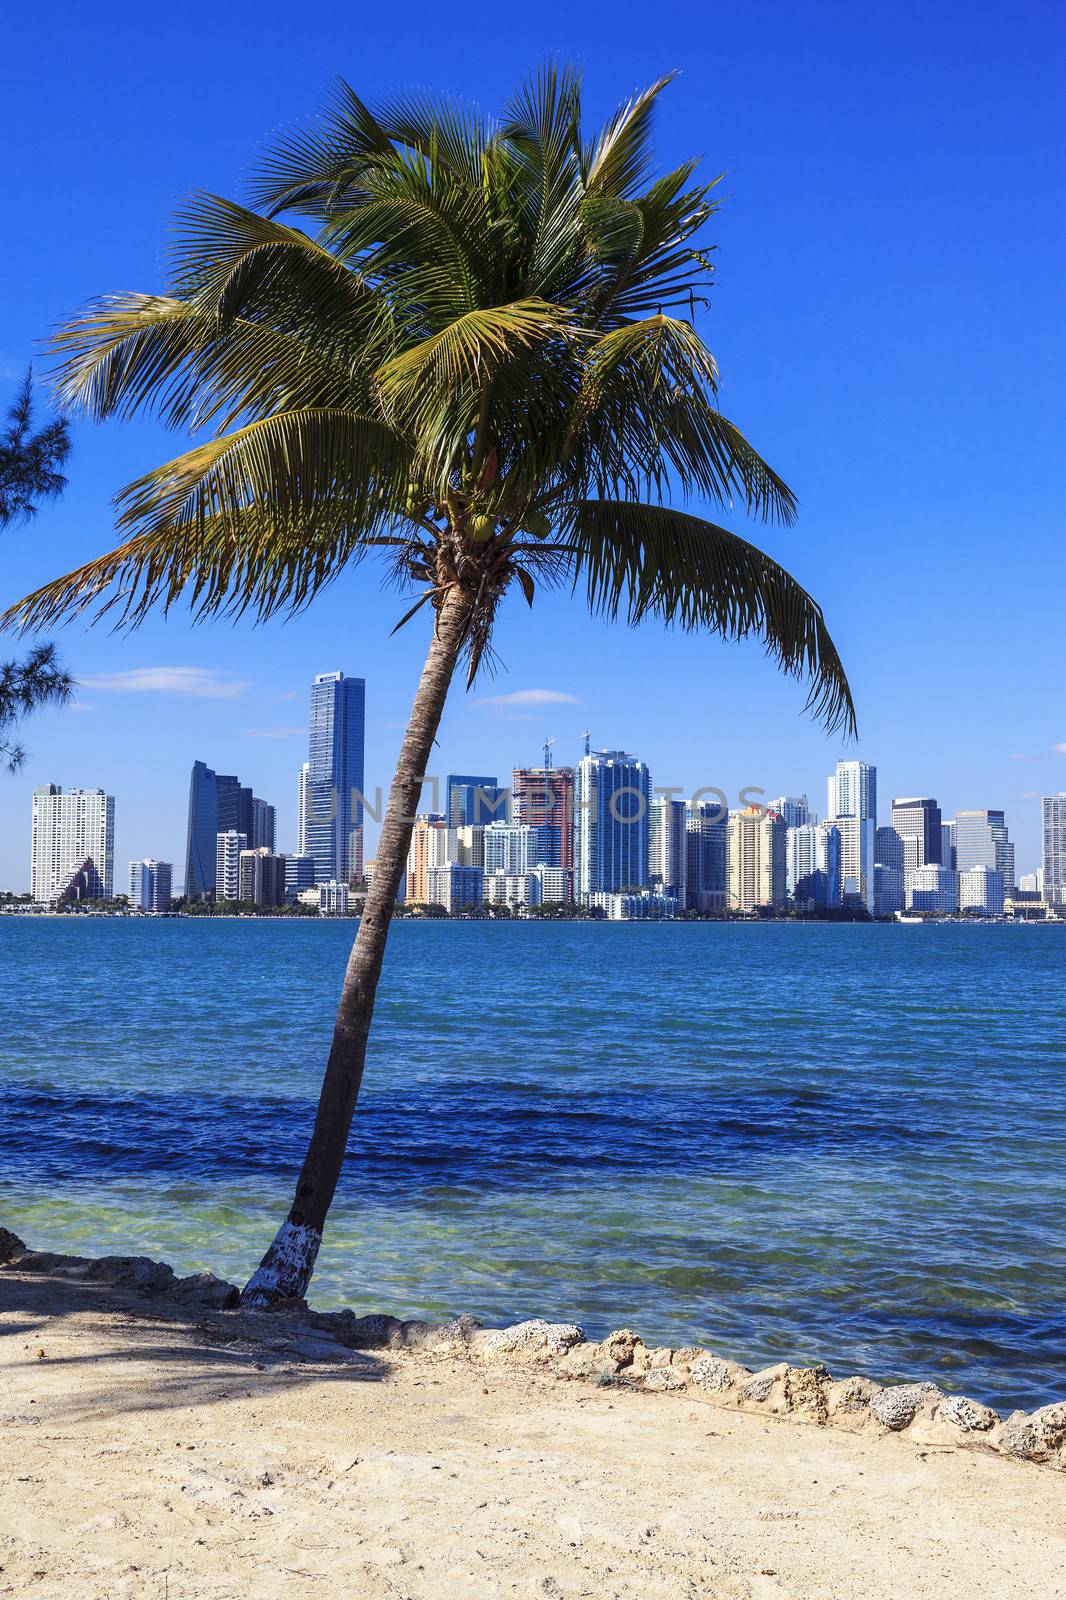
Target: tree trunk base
x=285, y=1271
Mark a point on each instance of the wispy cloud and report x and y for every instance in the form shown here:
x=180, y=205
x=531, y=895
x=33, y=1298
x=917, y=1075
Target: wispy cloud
x=1060, y=749
x=79, y=705
x=530, y=697
x=203, y=683
x=271, y=733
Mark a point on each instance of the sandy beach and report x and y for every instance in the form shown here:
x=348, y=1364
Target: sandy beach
x=149, y=1449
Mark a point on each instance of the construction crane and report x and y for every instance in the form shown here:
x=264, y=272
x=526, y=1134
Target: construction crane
x=587, y=735
x=549, y=741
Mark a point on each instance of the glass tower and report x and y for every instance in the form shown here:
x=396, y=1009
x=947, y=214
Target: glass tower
x=333, y=819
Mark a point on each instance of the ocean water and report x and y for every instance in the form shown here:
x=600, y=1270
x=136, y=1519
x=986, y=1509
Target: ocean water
x=822, y=1143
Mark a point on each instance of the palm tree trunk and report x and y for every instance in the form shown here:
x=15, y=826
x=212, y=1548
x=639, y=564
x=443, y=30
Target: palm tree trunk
x=285, y=1270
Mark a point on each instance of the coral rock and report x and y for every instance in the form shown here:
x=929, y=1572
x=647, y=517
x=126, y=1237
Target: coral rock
x=807, y=1392
x=663, y=1378
x=1035, y=1437
x=132, y=1272
x=897, y=1406
x=716, y=1375
x=203, y=1288
x=533, y=1341
x=967, y=1415
x=760, y=1387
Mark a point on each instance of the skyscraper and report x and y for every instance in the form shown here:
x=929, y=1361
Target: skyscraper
x=333, y=818
x=264, y=825
x=757, y=875
x=852, y=805
x=812, y=865
x=218, y=803
x=513, y=848
x=228, y=847
x=151, y=885
x=472, y=802
x=612, y=798
x=889, y=859
x=69, y=828
x=428, y=848
x=706, y=873
x=918, y=823
x=261, y=877
x=1054, y=830
x=794, y=810
x=981, y=840
x=544, y=796
x=668, y=847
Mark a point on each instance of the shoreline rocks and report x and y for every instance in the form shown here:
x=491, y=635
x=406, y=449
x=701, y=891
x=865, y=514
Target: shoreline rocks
x=918, y=1412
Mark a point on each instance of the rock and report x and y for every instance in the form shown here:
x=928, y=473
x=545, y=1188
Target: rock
x=897, y=1406
x=358, y=1333
x=533, y=1341
x=760, y=1386
x=807, y=1393
x=620, y=1349
x=132, y=1272
x=967, y=1415
x=1035, y=1437
x=317, y=1347
x=848, y=1402
x=458, y=1331
x=204, y=1289
x=663, y=1378
x=661, y=1355
x=716, y=1375
x=11, y=1247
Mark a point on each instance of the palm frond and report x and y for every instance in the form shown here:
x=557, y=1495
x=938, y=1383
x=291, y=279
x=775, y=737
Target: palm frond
x=639, y=561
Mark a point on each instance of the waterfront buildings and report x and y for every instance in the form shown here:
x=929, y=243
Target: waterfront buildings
x=889, y=895
x=454, y=887
x=299, y=875
x=794, y=810
x=72, y=831
x=650, y=905
x=334, y=898
x=428, y=849
x=332, y=790
x=151, y=885
x=511, y=848
x=981, y=840
x=519, y=890
x=556, y=885
x=706, y=872
x=219, y=803
x=852, y=805
x=668, y=847
x=931, y=888
x=1053, y=881
x=757, y=875
x=612, y=799
x=261, y=877
x=981, y=890
x=918, y=823
x=543, y=797
x=473, y=802
x=228, y=847
x=812, y=866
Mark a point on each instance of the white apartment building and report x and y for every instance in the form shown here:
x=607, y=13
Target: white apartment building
x=228, y=847
x=852, y=805
x=981, y=890
x=931, y=888
x=151, y=885
x=521, y=889
x=668, y=846
x=513, y=848
x=1053, y=872
x=71, y=827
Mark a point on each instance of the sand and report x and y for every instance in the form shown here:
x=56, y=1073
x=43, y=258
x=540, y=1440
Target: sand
x=141, y=1457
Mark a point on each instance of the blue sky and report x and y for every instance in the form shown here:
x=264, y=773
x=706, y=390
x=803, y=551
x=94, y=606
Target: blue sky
x=888, y=321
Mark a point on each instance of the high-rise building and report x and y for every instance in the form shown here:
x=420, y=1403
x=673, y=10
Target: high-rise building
x=473, y=802
x=947, y=844
x=981, y=890
x=71, y=827
x=151, y=885
x=264, y=825
x=301, y=809
x=931, y=888
x=228, y=847
x=612, y=799
x=889, y=894
x=454, y=887
x=556, y=884
x=467, y=846
x=218, y=803
x=333, y=804
x=918, y=823
x=428, y=849
x=812, y=865
x=1053, y=807
x=334, y=899
x=982, y=840
x=706, y=876
x=794, y=810
x=261, y=877
x=544, y=797
x=888, y=849
x=668, y=847
x=852, y=805
x=520, y=890
x=513, y=849
x=299, y=873
x=757, y=876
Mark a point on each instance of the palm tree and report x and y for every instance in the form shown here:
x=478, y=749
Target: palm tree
x=476, y=354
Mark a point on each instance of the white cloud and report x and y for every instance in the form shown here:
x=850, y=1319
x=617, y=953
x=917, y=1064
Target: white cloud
x=530, y=697
x=204, y=683
x=1060, y=749
x=271, y=733
x=79, y=705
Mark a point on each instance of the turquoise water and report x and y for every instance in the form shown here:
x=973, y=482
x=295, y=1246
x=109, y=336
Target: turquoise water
x=844, y=1144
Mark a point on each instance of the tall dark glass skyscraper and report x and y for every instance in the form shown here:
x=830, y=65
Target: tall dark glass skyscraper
x=333, y=817
x=218, y=803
